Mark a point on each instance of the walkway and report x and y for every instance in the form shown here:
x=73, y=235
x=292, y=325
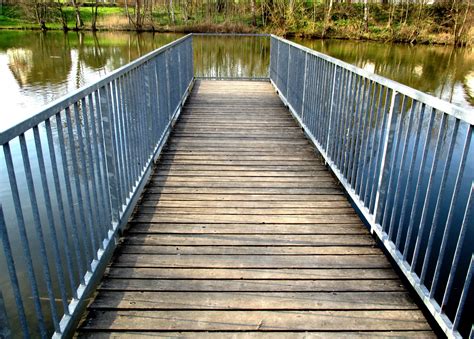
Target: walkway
x=243, y=229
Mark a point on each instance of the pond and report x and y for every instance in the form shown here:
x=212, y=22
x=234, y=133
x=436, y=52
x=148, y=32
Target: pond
x=37, y=68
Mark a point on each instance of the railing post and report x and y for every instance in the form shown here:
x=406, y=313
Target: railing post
x=304, y=85
x=384, y=170
x=5, y=332
x=109, y=135
x=170, y=114
x=288, y=73
x=331, y=108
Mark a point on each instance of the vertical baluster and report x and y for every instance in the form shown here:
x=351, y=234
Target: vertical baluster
x=434, y=166
x=369, y=184
x=341, y=141
x=464, y=294
x=102, y=153
x=335, y=84
x=457, y=254
x=352, y=127
x=304, y=86
x=409, y=177
x=120, y=130
x=437, y=211
x=7, y=250
x=117, y=140
x=148, y=111
x=93, y=143
x=52, y=227
x=88, y=163
x=396, y=198
x=364, y=142
x=451, y=212
x=392, y=176
x=70, y=201
x=384, y=168
x=62, y=215
x=359, y=116
x=132, y=122
x=92, y=254
x=344, y=122
x=24, y=240
x=110, y=154
x=369, y=146
x=39, y=232
x=380, y=149
x=85, y=202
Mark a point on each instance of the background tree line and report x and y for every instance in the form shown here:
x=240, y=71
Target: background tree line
x=396, y=20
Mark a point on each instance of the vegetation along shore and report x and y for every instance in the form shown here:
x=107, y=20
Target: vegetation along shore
x=412, y=21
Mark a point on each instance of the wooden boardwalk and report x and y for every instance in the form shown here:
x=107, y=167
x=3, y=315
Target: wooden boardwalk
x=243, y=232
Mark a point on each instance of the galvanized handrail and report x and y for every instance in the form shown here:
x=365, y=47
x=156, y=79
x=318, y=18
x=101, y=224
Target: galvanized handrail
x=386, y=143
x=84, y=161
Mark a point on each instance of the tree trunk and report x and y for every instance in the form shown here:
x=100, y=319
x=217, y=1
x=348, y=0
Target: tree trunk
x=79, y=22
x=171, y=9
x=254, y=16
x=62, y=15
x=94, y=16
x=366, y=16
x=328, y=18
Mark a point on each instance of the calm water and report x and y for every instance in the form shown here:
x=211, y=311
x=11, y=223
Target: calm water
x=36, y=68
x=445, y=72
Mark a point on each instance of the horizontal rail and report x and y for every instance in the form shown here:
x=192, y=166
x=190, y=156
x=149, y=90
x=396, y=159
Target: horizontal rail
x=406, y=160
x=74, y=96
x=437, y=103
x=75, y=172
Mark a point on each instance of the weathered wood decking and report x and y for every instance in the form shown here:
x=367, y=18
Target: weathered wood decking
x=242, y=229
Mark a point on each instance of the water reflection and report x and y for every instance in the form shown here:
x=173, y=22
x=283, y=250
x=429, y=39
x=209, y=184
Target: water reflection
x=445, y=72
x=37, y=68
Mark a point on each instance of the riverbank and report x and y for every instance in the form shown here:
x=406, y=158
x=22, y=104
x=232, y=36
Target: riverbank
x=428, y=25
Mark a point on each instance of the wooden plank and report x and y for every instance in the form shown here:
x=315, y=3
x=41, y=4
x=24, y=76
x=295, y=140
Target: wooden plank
x=229, y=173
x=242, y=184
x=235, y=168
x=216, y=239
x=237, y=157
x=245, y=261
x=330, y=274
x=244, y=211
x=229, y=162
x=261, y=335
x=249, y=219
x=146, y=300
x=236, y=148
x=257, y=320
x=190, y=179
x=252, y=285
x=243, y=190
x=243, y=197
x=247, y=204
x=160, y=227
x=249, y=250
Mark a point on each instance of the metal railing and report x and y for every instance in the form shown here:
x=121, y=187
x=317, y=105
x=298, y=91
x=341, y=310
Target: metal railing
x=75, y=172
x=406, y=160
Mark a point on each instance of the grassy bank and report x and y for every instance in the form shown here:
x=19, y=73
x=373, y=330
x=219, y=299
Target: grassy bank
x=434, y=24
